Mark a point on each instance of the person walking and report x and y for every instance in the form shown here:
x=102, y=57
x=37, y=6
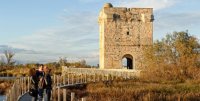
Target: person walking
x=33, y=91
x=48, y=82
x=40, y=74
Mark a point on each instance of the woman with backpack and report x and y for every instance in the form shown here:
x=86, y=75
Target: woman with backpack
x=33, y=90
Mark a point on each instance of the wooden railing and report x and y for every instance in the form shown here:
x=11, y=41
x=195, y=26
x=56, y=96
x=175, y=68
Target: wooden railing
x=70, y=77
x=122, y=73
x=19, y=88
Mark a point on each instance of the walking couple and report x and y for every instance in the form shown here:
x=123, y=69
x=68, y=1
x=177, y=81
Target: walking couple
x=41, y=83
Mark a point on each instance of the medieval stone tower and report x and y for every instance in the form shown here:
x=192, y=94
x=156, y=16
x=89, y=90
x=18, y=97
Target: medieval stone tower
x=123, y=33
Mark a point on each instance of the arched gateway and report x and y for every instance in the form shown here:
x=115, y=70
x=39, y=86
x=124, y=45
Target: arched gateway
x=128, y=61
x=123, y=34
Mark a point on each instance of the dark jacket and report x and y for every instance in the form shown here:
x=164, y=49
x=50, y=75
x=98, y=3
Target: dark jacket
x=34, y=82
x=48, y=81
x=39, y=73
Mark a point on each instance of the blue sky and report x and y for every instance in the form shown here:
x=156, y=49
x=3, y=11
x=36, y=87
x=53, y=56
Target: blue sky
x=44, y=30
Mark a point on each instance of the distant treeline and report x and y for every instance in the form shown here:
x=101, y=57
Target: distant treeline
x=10, y=68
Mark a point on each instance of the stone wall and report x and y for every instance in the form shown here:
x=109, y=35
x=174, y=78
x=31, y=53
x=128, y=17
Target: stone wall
x=123, y=33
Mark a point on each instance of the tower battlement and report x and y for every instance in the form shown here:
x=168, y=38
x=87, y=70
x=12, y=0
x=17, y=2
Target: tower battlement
x=110, y=13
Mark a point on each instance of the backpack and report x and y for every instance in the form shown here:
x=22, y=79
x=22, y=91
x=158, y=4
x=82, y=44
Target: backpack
x=32, y=91
x=42, y=84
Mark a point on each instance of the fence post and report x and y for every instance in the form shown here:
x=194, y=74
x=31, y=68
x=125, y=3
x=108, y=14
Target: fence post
x=54, y=93
x=57, y=77
x=77, y=80
x=54, y=79
x=112, y=77
x=83, y=99
x=64, y=80
x=81, y=78
x=25, y=85
x=72, y=96
x=85, y=78
x=107, y=77
x=64, y=95
x=58, y=93
x=28, y=83
x=22, y=85
x=72, y=79
x=9, y=98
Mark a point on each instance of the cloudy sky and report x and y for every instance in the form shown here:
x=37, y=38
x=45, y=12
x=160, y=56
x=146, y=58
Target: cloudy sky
x=44, y=30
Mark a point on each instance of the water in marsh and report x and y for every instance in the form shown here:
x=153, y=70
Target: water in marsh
x=2, y=97
x=7, y=78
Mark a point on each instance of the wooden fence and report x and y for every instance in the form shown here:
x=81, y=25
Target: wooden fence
x=19, y=88
x=70, y=77
x=122, y=73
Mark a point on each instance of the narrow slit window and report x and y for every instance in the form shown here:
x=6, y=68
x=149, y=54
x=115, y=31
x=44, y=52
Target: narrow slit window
x=127, y=33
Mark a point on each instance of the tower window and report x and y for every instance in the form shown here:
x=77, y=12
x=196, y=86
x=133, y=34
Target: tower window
x=127, y=33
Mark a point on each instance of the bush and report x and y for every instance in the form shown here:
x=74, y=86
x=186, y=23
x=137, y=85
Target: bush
x=175, y=57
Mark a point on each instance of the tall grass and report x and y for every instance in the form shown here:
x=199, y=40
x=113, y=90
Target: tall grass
x=143, y=91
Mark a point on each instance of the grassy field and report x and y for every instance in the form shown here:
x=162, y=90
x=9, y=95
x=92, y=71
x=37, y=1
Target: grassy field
x=137, y=90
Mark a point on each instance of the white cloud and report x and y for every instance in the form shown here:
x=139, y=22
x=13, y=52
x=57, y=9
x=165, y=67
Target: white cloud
x=169, y=22
x=77, y=38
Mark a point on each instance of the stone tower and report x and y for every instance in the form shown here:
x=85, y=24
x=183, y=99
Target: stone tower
x=123, y=34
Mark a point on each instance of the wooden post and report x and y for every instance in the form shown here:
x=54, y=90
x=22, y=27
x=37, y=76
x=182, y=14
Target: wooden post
x=94, y=78
x=64, y=80
x=25, y=85
x=64, y=95
x=72, y=96
x=81, y=78
x=22, y=84
x=54, y=93
x=76, y=76
x=83, y=99
x=107, y=77
x=12, y=93
x=68, y=76
x=72, y=78
x=112, y=77
x=54, y=79
x=57, y=80
x=13, y=89
x=9, y=97
x=59, y=94
x=85, y=78
x=28, y=83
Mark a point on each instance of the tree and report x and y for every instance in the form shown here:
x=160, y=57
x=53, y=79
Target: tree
x=62, y=61
x=177, y=55
x=2, y=63
x=83, y=62
x=9, y=57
